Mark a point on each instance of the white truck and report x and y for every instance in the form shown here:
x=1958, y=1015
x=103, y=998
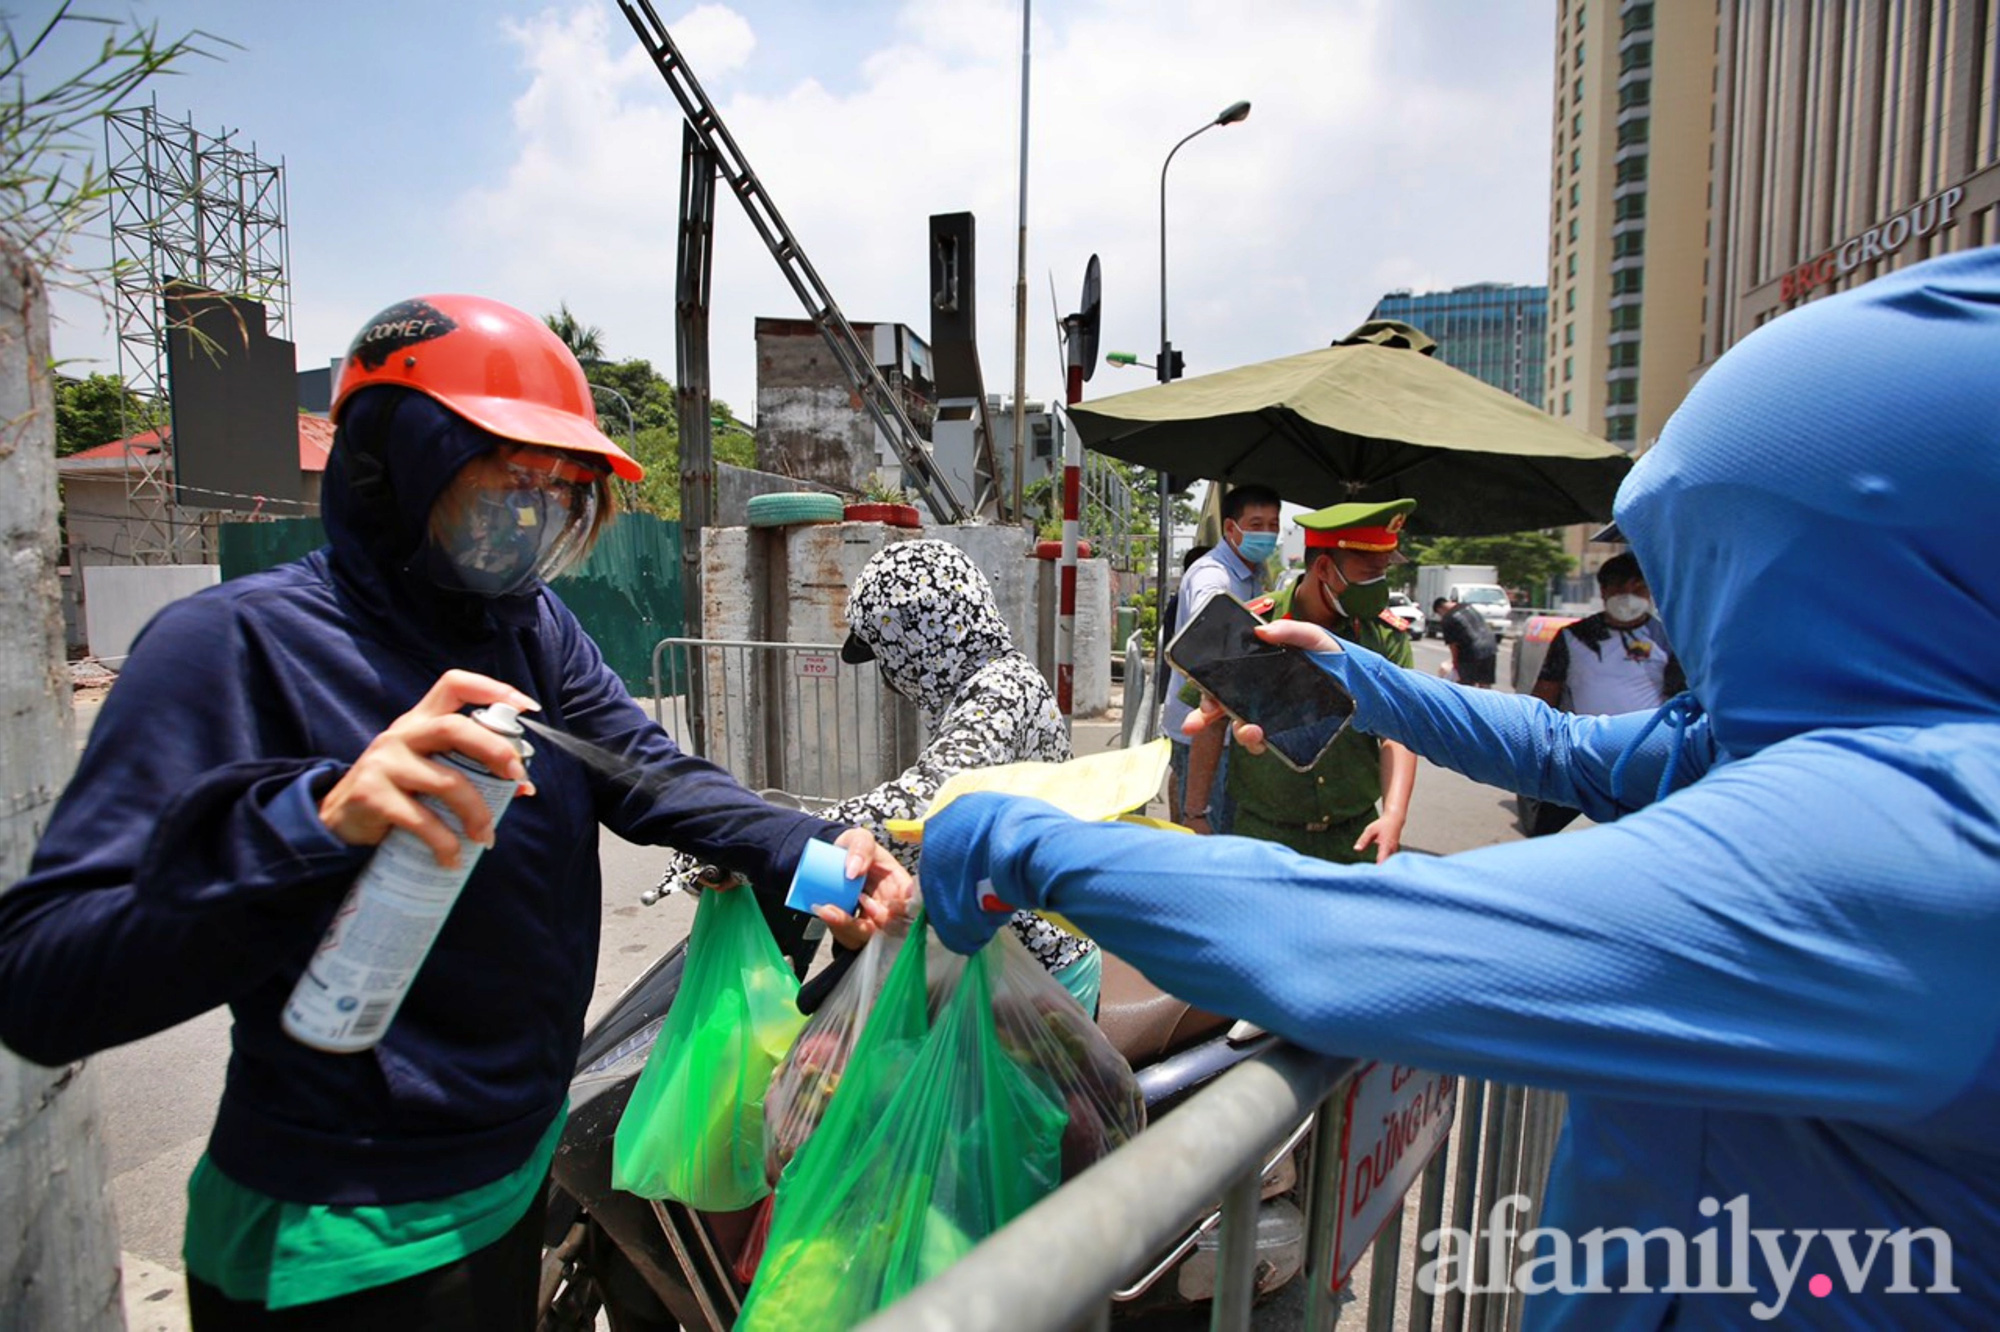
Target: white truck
x=1477, y=585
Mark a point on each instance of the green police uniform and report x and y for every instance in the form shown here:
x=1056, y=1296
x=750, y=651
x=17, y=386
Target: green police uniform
x=1322, y=812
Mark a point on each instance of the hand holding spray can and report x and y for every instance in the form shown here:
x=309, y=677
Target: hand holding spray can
x=386, y=925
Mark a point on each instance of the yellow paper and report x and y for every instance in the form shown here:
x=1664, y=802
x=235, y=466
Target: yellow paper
x=1094, y=788
x=1147, y=821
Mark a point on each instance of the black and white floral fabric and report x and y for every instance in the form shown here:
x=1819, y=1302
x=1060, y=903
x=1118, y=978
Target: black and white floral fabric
x=929, y=616
x=939, y=640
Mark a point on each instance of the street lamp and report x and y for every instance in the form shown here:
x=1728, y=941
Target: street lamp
x=1234, y=112
x=1168, y=368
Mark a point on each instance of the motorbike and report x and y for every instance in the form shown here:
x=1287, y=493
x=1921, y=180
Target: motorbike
x=655, y=1266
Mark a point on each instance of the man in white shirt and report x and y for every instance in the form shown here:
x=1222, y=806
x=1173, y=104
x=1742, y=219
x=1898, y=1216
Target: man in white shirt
x=1235, y=566
x=1615, y=661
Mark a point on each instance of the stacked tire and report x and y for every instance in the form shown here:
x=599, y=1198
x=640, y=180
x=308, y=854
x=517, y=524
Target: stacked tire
x=794, y=508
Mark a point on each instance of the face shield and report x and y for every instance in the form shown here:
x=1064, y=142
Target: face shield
x=514, y=516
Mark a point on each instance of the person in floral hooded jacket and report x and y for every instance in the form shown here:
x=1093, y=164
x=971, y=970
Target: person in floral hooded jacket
x=925, y=615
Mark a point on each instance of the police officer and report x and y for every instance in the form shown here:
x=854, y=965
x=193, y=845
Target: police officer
x=1331, y=811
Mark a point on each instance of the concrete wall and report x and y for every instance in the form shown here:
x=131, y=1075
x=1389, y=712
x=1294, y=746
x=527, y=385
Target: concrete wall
x=118, y=600
x=810, y=423
x=735, y=487
x=1001, y=554
x=790, y=584
x=107, y=525
x=1026, y=589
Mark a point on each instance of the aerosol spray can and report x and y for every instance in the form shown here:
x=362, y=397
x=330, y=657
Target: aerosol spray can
x=392, y=915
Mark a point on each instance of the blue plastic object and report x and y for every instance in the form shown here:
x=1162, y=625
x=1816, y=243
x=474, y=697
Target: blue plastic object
x=821, y=880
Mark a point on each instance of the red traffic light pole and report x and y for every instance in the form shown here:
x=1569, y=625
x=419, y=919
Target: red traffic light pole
x=1072, y=515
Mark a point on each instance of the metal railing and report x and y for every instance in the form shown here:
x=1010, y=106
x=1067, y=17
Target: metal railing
x=1139, y=713
x=787, y=715
x=1086, y=1240
x=1106, y=492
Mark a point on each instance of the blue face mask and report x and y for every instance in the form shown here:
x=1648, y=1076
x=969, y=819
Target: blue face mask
x=1257, y=547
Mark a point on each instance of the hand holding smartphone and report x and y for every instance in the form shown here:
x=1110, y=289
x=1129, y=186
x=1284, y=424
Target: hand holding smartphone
x=1299, y=707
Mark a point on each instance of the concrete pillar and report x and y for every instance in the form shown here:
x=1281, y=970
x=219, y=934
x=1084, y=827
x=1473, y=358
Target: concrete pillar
x=1090, y=681
x=842, y=732
x=805, y=722
x=58, y=1242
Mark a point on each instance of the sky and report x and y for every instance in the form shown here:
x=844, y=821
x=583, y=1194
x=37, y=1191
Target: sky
x=530, y=152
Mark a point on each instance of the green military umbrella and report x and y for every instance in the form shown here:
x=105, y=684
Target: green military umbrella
x=1372, y=417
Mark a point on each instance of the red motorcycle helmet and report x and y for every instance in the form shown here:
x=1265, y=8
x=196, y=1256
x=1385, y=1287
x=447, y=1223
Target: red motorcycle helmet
x=497, y=367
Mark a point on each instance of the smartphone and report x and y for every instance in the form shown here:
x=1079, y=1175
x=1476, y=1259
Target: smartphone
x=1300, y=707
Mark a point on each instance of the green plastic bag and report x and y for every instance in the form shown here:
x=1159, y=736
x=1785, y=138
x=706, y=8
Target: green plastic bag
x=694, y=1128
x=943, y=1131
x=803, y=1086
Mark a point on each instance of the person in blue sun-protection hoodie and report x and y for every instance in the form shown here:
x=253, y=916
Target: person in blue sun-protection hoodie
x=1769, y=980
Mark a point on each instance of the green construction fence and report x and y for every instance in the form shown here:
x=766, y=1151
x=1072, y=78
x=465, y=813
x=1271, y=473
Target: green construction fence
x=627, y=594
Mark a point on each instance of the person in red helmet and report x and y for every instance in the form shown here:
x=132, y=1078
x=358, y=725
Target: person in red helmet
x=267, y=733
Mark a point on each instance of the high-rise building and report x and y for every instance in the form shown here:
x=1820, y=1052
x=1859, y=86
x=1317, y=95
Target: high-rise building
x=1627, y=206
x=1714, y=165
x=1851, y=139
x=1488, y=329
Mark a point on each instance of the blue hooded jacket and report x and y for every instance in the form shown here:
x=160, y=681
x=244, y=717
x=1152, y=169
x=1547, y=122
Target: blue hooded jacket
x=1776, y=978
x=185, y=866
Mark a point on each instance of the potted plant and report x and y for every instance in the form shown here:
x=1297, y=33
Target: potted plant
x=882, y=503
x=1049, y=545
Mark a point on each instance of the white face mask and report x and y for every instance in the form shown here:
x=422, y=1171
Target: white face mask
x=1627, y=608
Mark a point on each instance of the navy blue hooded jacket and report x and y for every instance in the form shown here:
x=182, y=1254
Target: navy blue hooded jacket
x=1770, y=981
x=185, y=866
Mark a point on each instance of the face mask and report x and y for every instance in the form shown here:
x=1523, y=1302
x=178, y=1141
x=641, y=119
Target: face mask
x=502, y=525
x=1256, y=547
x=1362, y=601
x=1365, y=601
x=1627, y=608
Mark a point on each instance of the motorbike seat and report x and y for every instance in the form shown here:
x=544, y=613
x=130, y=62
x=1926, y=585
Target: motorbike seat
x=1143, y=1022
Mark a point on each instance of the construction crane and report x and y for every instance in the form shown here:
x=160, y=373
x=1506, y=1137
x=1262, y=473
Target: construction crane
x=718, y=147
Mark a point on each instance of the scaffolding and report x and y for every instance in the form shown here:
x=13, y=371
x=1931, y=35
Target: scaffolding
x=194, y=208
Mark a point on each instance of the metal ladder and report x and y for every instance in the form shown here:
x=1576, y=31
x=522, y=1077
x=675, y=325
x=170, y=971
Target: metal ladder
x=859, y=366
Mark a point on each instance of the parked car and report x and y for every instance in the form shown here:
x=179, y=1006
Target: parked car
x=1409, y=612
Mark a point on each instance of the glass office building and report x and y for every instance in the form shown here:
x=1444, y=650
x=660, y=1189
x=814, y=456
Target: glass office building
x=1851, y=139
x=1714, y=165
x=1491, y=331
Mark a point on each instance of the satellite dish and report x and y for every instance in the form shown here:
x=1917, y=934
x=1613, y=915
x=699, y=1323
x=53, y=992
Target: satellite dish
x=1088, y=316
